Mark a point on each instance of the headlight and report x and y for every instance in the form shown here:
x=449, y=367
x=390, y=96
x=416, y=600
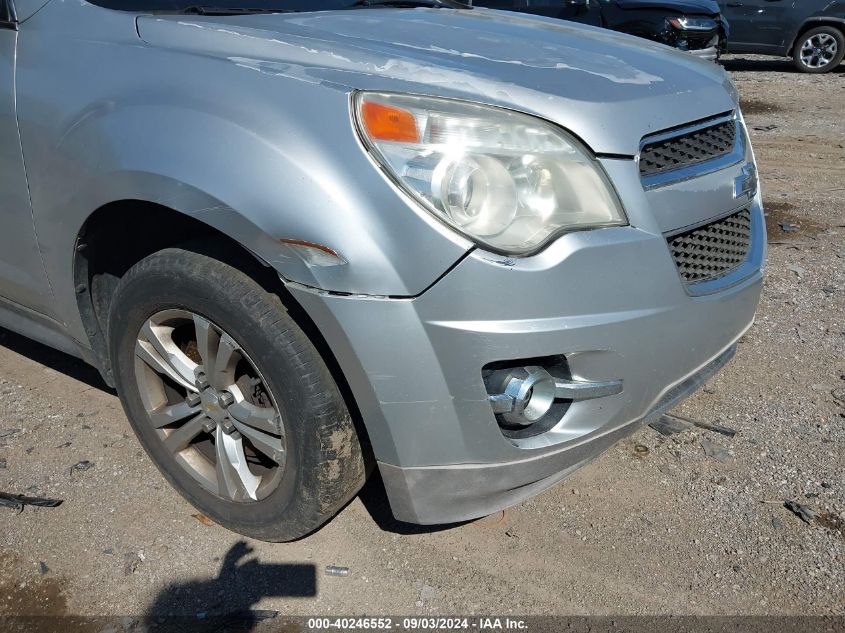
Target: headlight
x=693, y=24
x=507, y=180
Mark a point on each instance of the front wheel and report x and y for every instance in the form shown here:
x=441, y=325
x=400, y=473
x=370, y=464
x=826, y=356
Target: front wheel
x=819, y=50
x=229, y=397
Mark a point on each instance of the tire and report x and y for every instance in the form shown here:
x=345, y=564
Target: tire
x=819, y=50
x=277, y=374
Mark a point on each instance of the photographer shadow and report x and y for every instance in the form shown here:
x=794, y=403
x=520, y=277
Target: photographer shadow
x=225, y=603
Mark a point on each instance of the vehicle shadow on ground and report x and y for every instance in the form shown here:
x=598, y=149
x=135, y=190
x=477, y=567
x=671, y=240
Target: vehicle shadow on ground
x=225, y=603
x=374, y=498
x=54, y=359
x=775, y=64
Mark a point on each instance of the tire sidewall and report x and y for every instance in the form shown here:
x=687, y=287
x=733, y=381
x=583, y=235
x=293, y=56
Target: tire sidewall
x=220, y=299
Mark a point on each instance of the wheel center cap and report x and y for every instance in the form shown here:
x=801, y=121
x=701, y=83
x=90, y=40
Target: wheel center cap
x=212, y=405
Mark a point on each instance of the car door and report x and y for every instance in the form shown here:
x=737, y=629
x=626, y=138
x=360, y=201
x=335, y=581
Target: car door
x=758, y=25
x=23, y=280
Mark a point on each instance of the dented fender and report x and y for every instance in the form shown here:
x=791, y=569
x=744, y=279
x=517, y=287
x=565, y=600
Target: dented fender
x=214, y=140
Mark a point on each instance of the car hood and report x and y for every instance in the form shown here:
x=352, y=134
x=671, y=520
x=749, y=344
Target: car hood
x=684, y=7
x=608, y=89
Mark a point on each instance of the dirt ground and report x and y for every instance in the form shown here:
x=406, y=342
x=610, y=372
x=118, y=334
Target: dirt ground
x=654, y=526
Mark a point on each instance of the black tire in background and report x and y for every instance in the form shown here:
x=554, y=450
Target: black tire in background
x=807, y=38
x=323, y=467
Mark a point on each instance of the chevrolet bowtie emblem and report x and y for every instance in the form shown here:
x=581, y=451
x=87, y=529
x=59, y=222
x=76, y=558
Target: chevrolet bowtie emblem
x=746, y=184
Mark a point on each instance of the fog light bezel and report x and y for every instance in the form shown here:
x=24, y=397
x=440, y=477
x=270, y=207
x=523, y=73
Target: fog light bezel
x=498, y=374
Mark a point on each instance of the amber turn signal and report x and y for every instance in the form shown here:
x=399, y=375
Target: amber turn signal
x=388, y=123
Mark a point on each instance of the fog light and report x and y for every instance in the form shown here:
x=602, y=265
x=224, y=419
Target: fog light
x=529, y=398
x=532, y=390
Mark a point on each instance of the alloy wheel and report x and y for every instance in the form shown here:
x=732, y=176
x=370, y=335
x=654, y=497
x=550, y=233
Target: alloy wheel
x=210, y=406
x=819, y=50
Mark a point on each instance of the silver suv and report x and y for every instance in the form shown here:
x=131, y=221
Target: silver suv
x=472, y=249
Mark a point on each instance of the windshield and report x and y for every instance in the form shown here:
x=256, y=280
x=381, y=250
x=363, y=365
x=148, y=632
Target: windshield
x=211, y=7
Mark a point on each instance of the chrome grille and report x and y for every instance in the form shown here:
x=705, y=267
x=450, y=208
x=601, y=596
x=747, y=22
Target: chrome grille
x=712, y=250
x=688, y=148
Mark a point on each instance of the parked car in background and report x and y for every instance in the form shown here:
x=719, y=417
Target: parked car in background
x=812, y=32
x=695, y=26
x=303, y=239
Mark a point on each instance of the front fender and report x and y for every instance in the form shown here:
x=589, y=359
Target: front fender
x=261, y=158
x=257, y=192
x=237, y=182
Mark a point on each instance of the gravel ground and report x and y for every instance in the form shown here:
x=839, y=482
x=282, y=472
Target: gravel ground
x=688, y=524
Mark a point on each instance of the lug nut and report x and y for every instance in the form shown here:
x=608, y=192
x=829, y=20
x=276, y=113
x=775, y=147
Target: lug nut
x=226, y=398
x=202, y=381
x=228, y=427
x=193, y=399
x=209, y=426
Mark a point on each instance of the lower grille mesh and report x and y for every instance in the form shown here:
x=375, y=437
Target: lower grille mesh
x=712, y=250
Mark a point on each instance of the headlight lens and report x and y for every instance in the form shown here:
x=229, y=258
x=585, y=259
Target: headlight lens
x=508, y=180
x=685, y=23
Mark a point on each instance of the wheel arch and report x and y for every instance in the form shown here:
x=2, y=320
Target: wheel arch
x=103, y=255
x=115, y=236
x=811, y=23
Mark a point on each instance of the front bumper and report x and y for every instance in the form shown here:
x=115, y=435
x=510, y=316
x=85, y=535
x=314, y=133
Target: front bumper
x=707, y=45
x=610, y=300
x=445, y=494
x=711, y=53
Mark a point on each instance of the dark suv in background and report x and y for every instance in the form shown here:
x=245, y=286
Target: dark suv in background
x=695, y=26
x=812, y=32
